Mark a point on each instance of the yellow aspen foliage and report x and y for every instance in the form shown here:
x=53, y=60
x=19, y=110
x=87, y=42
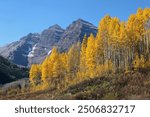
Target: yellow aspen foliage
x=103, y=29
x=83, y=57
x=99, y=50
x=123, y=34
x=114, y=28
x=47, y=65
x=51, y=60
x=57, y=70
x=45, y=70
x=139, y=23
x=64, y=61
x=54, y=55
x=73, y=60
x=104, y=37
x=35, y=74
x=131, y=23
x=63, y=58
x=146, y=14
x=57, y=73
x=103, y=25
x=91, y=56
x=100, y=70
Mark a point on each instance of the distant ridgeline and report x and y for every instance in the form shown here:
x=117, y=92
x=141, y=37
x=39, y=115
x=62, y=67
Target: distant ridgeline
x=119, y=47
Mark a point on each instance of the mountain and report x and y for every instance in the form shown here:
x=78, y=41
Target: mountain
x=10, y=72
x=17, y=52
x=75, y=32
x=34, y=47
x=43, y=47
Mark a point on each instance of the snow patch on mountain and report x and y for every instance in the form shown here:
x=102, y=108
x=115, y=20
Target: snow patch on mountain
x=31, y=54
x=49, y=52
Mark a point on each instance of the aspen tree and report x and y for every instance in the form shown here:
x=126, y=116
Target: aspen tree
x=103, y=32
x=73, y=60
x=91, y=56
x=83, y=57
x=45, y=69
x=35, y=74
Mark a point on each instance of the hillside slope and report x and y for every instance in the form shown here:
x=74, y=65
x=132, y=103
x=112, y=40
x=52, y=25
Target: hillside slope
x=133, y=85
x=122, y=86
x=10, y=72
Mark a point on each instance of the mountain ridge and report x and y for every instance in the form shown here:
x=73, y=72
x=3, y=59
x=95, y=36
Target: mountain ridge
x=34, y=47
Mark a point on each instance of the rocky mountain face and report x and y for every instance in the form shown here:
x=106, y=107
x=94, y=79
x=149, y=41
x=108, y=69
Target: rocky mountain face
x=75, y=32
x=17, y=52
x=48, y=38
x=34, y=47
x=10, y=72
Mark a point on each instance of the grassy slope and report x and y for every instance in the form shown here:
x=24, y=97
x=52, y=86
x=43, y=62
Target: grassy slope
x=122, y=86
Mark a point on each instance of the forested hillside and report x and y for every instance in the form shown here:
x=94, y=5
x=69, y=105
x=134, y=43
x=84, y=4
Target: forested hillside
x=119, y=47
x=10, y=72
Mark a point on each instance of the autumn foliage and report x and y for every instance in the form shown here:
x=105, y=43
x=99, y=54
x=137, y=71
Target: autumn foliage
x=118, y=47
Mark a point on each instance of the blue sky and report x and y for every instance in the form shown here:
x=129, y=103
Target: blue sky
x=20, y=17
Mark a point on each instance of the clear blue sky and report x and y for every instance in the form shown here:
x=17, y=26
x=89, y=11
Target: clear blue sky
x=19, y=17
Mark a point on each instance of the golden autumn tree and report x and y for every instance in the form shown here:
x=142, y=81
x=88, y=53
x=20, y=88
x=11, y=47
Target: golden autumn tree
x=91, y=56
x=82, y=70
x=45, y=69
x=73, y=60
x=131, y=37
x=114, y=43
x=35, y=74
x=64, y=63
x=57, y=71
x=47, y=66
x=99, y=55
x=103, y=34
x=99, y=45
x=123, y=45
